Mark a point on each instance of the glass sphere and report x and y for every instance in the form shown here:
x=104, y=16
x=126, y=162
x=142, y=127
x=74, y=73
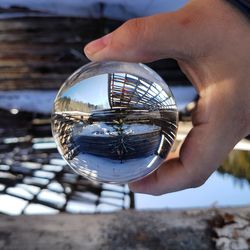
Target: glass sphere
x=114, y=122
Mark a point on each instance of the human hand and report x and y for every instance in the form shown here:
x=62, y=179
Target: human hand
x=211, y=42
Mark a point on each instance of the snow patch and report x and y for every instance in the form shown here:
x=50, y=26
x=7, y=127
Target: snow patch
x=41, y=101
x=107, y=130
x=116, y=9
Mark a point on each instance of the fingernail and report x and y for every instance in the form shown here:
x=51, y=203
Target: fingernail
x=97, y=45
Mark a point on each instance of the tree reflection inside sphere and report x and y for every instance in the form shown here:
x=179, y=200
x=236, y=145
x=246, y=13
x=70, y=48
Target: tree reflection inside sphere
x=114, y=122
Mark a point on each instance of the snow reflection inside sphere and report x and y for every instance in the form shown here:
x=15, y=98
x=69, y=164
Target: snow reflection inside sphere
x=114, y=122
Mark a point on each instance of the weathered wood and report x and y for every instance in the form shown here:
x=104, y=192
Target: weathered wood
x=126, y=230
x=175, y=230
x=39, y=52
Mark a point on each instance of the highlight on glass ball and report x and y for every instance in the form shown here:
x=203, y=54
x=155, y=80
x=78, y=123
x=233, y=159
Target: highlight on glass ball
x=114, y=122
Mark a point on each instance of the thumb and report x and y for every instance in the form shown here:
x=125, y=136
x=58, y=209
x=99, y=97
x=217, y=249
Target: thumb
x=142, y=39
x=182, y=35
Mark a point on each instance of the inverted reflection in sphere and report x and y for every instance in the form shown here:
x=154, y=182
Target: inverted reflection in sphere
x=114, y=122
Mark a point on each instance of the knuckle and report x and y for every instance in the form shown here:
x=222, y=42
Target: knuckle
x=136, y=27
x=134, y=33
x=137, y=37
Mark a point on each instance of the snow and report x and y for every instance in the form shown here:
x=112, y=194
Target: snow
x=92, y=8
x=83, y=8
x=28, y=100
x=41, y=101
x=117, y=9
x=107, y=130
x=128, y=9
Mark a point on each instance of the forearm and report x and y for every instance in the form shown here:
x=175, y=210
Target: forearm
x=242, y=5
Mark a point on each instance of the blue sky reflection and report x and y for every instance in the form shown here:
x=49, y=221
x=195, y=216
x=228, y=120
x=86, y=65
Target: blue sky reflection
x=93, y=90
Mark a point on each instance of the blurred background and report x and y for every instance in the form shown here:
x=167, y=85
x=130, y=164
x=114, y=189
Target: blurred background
x=41, y=44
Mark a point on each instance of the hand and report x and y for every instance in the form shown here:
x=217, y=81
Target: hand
x=211, y=42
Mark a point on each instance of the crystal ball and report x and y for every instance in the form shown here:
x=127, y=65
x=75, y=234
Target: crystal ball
x=114, y=122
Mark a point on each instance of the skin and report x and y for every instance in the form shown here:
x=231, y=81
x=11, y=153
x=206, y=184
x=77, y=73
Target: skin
x=210, y=40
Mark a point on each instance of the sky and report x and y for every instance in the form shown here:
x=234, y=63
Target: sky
x=93, y=90
x=219, y=190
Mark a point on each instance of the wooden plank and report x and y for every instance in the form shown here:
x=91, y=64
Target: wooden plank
x=40, y=52
x=179, y=230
